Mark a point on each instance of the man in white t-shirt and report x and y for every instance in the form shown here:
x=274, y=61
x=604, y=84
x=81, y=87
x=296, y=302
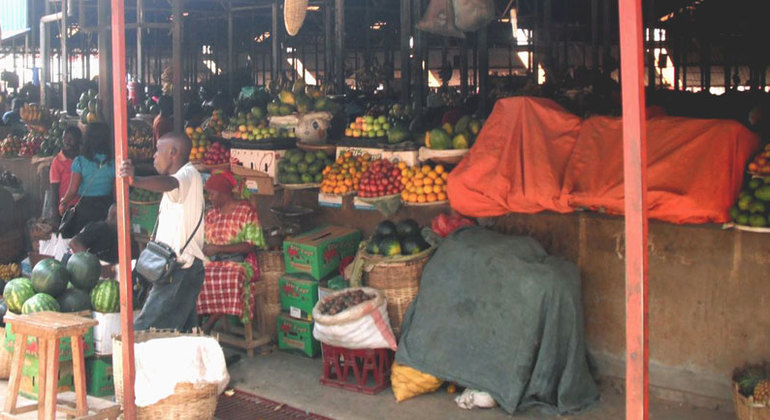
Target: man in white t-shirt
x=171, y=303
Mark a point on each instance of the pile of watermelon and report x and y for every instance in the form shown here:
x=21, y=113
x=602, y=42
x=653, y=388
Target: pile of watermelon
x=54, y=287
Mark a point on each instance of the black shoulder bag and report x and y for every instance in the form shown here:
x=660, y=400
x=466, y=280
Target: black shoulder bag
x=157, y=260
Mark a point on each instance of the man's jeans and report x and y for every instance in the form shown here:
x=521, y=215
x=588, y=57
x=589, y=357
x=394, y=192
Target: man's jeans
x=172, y=302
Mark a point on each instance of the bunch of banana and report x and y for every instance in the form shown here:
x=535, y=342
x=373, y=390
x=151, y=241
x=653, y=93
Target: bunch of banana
x=31, y=112
x=9, y=271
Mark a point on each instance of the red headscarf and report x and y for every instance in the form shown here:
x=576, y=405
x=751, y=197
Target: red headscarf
x=222, y=181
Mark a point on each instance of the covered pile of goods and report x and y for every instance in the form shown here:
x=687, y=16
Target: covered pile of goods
x=141, y=145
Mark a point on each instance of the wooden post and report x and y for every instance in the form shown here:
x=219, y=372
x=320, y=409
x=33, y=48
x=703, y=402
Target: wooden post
x=121, y=194
x=339, y=35
x=464, y=66
x=105, y=59
x=595, y=34
x=420, y=83
x=230, y=51
x=176, y=54
x=328, y=42
x=275, y=64
x=483, y=47
x=635, y=189
x=406, y=32
x=140, y=74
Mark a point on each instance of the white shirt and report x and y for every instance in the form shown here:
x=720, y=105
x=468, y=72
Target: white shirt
x=180, y=210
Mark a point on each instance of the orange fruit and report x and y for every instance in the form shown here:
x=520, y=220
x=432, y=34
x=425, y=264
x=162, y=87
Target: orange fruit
x=405, y=195
x=412, y=197
x=425, y=169
x=444, y=176
x=421, y=198
x=432, y=175
x=441, y=196
x=430, y=197
x=437, y=189
x=439, y=169
x=402, y=165
x=438, y=181
x=427, y=181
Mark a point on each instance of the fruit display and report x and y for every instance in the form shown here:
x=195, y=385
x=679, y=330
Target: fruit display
x=105, y=296
x=752, y=381
x=424, y=184
x=395, y=239
x=753, y=205
x=263, y=133
x=16, y=292
x=52, y=142
x=369, y=127
x=216, y=124
x=31, y=143
x=90, y=106
x=299, y=98
x=461, y=135
x=9, y=271
x=49, y=276
x=8, y=179
x=144, y=196
x=200, y=142
x=300, y=167
x=216, y=154
x=341, y=302
x=84, y=269
x=74, y=300
x=250, y=120
x=141, y=145
x=343, y=176
x=382, y=178
x=33, y=113
x=40, y=302
x=10, y=146
x=761, y=163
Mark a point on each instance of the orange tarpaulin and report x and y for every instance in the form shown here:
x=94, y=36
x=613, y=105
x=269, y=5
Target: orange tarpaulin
x=532, y=155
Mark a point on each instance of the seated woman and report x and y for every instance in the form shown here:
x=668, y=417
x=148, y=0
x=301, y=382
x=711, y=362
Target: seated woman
x=232, y=236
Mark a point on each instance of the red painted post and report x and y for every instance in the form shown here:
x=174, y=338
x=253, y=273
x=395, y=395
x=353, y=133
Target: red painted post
x=635, y=188
x=121, y=192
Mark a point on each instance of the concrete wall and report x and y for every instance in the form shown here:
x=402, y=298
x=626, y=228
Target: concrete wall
x=708, y=291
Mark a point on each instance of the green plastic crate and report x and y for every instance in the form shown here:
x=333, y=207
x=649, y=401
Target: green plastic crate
x=296, y=335
x=65, y=348
x=143, y=216
x=99, y=381
x=30, y=378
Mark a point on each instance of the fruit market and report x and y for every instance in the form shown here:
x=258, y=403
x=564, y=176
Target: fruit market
x=384, y=209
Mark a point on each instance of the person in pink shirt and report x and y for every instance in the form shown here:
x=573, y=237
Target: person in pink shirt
x=61, y=167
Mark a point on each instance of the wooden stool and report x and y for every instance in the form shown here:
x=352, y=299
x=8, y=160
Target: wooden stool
x=49, y=328
x=243, y=338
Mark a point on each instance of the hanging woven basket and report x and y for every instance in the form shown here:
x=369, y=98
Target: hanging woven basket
x=294, y=12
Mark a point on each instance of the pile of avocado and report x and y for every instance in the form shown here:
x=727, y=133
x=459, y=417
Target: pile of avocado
x=753, y=206
x=300, y=167
x=393, y=239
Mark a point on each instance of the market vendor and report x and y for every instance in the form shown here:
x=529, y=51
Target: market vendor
x=171, y=302
x=164, y=122
x=232, y=236
x=61, y=167
x=14, y=115
x=93, y=176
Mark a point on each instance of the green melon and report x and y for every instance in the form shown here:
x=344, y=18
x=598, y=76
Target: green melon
x=41, y=302
x=407, y=227
x=49, y=276
x=18, y=291
x=390, y=246
x=84, y=269
x=105, y=296
x=74, y=300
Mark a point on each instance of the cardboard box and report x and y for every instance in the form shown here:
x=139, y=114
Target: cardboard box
x=360, y=204
x=329, y=200
x=411, y=157
x=261, y=185
x=320, y=251
x=299, y=294
x=109, y=325
x=99, y=381
x=65, y=349
x=296, y=335
x=30, y=378
x=264, y=161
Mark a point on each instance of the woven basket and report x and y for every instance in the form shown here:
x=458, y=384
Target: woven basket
x=272, y=293
x=11, y=246
x=294, y=12
x=189, y=402
x=270, y=312
x=271, y=261
x=5, y=359
x=399, y=281
x=746, y=409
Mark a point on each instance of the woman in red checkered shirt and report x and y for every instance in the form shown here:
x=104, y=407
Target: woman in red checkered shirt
x=232, y=236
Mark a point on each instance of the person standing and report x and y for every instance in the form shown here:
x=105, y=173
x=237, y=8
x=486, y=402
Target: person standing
x=164, y=122
x=14, y=115
x=171, y=302
x=93, y=178
x=61, y=167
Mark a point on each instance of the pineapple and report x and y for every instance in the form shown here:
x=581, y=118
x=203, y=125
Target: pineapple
x=762, y=391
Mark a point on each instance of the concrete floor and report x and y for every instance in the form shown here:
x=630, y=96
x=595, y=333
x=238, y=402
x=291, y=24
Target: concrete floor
x=293, y=380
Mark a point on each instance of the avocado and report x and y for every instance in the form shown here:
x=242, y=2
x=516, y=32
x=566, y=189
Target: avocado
x=385, y=228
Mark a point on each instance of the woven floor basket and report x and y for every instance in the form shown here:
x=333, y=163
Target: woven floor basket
x=188, y=402
x=270, y=312
x=271, y=262
x=399, y=281
x=746, y=409
x=294, y=12
x=5, y=359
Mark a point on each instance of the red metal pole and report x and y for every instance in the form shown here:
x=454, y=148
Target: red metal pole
x=121, y=189
x=635, y=188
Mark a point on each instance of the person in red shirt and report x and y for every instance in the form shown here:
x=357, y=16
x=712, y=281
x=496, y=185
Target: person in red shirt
x=61, y=167
x=164, y=122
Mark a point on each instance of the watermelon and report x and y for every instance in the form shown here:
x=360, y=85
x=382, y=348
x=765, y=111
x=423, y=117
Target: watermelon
x=385, y=228
x=41, y=302
x=407, y=227
x=17, y=291
x=84, y=269
x=74, y=300
x=105, y=296
x=413, y=244
x=3, y=310
x=373, y=247
x=49, y=276
x=390, y=246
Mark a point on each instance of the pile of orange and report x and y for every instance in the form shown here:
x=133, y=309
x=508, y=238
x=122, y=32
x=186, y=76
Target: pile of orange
x=345, y=173
x=423, y=184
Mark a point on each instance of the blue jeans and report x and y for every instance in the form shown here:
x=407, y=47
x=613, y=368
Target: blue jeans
x=171, y=303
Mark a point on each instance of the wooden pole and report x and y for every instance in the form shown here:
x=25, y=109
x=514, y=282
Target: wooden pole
x=105, y=54
x=176, y=54
x=635, y=189
x=406, y=32
x=464, y=66
x=328, y=42
x=420, y=84
x=483, y=47
x=339, y=34
x=274, y=36
x=121, y=194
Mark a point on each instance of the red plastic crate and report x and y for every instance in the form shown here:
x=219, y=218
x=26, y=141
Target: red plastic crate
x=355, y=369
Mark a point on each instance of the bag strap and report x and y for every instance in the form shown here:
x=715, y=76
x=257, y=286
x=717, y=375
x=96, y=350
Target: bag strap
x=155, y=230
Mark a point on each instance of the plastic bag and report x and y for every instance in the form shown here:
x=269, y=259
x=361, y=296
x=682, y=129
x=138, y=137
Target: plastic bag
x=364, y=326
x=444, y=224
x=408, y=382
x=472, y=15
x=55, y=247
x=471, y=398
x=439, y=19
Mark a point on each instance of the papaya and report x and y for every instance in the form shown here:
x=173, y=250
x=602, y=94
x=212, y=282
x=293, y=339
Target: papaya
x=397, y=134
x=439, y=140
x=286, y=97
